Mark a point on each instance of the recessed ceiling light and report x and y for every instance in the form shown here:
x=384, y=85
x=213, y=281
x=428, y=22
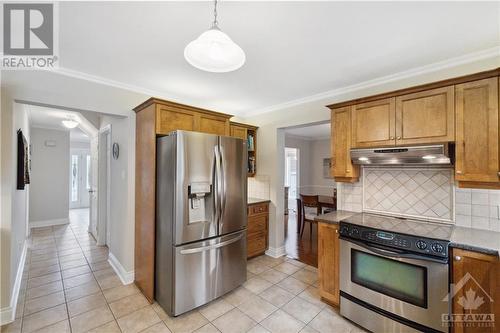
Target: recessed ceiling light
x=214, y=51
x=70, y=123
x=428, y=157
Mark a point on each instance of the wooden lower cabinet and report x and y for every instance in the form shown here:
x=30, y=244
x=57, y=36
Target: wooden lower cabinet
x=328, y=263
x=257, y=229
x=477, y=277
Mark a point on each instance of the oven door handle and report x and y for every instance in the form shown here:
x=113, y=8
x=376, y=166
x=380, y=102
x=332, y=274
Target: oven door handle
x=396, y=254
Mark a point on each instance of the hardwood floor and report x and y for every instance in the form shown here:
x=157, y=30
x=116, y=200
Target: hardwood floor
x=304, y=249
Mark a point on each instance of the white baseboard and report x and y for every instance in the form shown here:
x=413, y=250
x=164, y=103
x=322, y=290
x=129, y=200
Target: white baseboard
x=48, y=223
x=8, y=314
x=276, y=252
x=125, y=277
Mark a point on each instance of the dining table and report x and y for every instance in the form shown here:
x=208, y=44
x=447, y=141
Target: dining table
x=324, y=201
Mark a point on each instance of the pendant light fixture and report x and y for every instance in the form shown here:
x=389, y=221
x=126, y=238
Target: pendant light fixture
x=214, y=51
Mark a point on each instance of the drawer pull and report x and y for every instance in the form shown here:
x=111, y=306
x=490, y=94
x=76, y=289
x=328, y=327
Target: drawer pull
x=459, y=172
x=458, y=258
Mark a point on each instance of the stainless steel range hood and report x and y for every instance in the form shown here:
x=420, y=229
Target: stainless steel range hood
x=416, y=155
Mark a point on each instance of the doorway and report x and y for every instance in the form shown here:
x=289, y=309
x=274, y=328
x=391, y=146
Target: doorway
x=292, y=176
x=80, y=169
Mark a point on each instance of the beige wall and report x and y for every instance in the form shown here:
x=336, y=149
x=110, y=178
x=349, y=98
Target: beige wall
x=49, y=194
x=14, y=203
x=122, y=190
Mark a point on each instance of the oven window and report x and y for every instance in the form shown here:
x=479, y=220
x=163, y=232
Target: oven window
x=393, y=278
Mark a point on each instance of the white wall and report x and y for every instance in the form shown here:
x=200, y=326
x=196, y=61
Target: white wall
x=49, y=194
x=320, y=149
x=14, y=204
x=311, y=155
x=122, y=190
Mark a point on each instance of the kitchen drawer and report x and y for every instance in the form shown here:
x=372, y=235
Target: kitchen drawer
x=257, y=223
x=258, y=209
x=256, y=244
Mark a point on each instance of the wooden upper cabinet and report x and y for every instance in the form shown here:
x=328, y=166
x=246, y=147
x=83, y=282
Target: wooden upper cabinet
x=426, y=117
x=477, y=135
x=476, y=273
x=373, y=123
x=238, y=131
x=213, y=124
x=169, y=119
x=328, y=262
x=342, y=168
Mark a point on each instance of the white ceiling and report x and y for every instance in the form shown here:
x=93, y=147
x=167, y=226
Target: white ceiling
x=43, y=117
x=77, y=135
x=49, y=118
x=312, y=132
x=294, y=49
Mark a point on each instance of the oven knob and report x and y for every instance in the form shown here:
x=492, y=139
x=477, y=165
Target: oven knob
x=344, y=229
x=436, y=247
x=355, y=232
x=421, y=244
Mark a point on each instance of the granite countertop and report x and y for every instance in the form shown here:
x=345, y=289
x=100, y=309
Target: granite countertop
x=253, y=201
x=334, y=217
x=484, y=241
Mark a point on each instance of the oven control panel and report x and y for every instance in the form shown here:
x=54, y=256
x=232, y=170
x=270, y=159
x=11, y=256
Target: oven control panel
x=428, y=246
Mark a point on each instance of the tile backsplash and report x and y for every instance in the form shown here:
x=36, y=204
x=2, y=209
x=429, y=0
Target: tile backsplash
x=472, y=208
x=422, y=193
x=478, y=209
x=258, y=187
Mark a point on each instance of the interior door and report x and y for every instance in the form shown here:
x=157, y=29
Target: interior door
x=93, y=186
x=195, y=191
x=233, y=156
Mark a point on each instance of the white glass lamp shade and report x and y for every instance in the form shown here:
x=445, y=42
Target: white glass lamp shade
x=215, y=52
x=70, y=123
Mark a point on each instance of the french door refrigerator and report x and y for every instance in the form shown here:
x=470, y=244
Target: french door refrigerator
x=201, y=219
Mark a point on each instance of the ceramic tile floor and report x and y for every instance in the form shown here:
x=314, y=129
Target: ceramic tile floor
x=68, y=286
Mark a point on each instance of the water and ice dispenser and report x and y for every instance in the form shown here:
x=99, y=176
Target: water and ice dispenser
x=199, y=202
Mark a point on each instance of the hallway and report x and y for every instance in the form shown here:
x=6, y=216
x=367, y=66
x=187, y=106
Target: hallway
x=68, y=285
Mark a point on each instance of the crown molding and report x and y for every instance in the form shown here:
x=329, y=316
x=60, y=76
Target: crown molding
x=493, y=52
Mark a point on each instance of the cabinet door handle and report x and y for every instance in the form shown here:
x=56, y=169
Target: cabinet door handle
x=391, y=138
x=459, y=172
x=458, y=258
x=498, y=173
x=347, y=170
x=398, y=138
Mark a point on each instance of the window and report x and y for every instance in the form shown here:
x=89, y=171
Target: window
x=74, y=178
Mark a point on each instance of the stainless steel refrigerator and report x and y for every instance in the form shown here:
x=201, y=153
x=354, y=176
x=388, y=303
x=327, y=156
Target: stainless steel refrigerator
x=201, y=219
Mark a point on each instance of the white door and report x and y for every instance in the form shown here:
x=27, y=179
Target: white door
x=104, y=185
x=79, y=178
x=292, y=172
x=93, y=186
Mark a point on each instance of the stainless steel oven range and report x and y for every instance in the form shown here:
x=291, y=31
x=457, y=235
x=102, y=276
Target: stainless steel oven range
x=394, y=273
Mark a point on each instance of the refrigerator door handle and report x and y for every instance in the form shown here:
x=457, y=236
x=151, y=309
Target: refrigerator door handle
x=223, y=184
x=218, y=189
x=212, y=247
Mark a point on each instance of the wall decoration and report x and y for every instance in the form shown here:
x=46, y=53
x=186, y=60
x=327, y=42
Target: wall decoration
x=116, y=150
x=23, y=161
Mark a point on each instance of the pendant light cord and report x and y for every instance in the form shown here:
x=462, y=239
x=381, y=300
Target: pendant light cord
x=215, y=24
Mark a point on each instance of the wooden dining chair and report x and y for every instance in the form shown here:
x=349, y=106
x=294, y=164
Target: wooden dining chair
x=308, y=215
